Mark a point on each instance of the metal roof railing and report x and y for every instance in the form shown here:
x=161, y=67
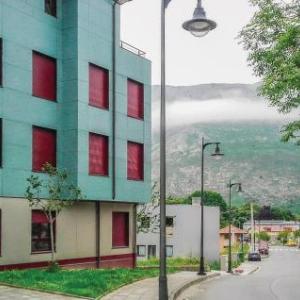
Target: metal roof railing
x=132, y=49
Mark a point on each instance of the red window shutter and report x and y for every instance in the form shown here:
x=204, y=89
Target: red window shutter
x=43, y=148
x=38, y=217
x=120, y=229
x=43, y=76
x=135, y=161
x=135, y=103
x=98, y=87
x=98, y=154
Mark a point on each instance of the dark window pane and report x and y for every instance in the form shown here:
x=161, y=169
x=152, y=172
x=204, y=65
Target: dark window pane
x=50, y=7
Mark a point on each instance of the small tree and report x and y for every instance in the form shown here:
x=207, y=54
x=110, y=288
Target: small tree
x=264, y=236
x=283, y=237
x=297, y=236
x=59, y=195
x=147, y=216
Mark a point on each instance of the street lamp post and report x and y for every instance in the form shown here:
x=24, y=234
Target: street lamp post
x=230, y=185
x=199, y=26
x=216, y=153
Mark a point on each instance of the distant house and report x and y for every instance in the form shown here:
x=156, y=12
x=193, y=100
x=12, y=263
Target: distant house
x=183, y=233
x=273, y=227
x=236, y=236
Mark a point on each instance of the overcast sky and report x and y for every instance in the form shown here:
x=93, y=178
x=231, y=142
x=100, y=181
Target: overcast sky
x=212, y=59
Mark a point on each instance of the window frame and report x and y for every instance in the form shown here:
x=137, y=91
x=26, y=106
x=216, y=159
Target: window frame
x=1, y=142
x=138, y=247
x=53, y=8
x=106, y=138
x=54, y=233
x=148, y=250
x=142, y=117
x=126, y=229
x=142, y=165
x=34, y=52
x=106, y=71
x=32, y=155
x=172, y=250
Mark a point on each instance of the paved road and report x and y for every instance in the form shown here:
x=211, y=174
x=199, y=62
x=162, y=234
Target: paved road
x=277, y=279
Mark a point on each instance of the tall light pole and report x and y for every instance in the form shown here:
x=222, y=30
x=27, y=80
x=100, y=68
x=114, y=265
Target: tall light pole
x=199, y=26
x=216, y=153
x=239, y=186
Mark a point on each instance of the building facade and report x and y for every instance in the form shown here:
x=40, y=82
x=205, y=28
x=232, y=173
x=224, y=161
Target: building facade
x=273, y=227
x=74, y=96
x=183, y=234
x=236, y=233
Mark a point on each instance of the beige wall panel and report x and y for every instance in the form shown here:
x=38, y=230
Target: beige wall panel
x=106, y=228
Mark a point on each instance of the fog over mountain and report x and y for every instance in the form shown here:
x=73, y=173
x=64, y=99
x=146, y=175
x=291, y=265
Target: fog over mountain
x=249, y=130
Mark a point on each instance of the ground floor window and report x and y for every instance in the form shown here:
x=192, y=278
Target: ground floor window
x=169, y=251
x=40, y=232
x=151, y=251
x=120, y=229
x=141, y=250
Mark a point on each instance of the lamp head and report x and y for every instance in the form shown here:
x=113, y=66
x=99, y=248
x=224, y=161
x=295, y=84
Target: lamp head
x=121, y=2
x=239, y=189
x=199, y=25
x=217, y=152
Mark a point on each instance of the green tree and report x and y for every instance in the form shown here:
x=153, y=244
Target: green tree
x=263, y=236
x=272, y=39
x=210, y=199
x=283, y=237
x=147, y=215
x=59, y=194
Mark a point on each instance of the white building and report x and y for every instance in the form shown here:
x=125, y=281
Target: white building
x=183, y=233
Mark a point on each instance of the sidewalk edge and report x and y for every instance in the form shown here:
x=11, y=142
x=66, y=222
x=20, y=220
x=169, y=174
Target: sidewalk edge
x=178, y=291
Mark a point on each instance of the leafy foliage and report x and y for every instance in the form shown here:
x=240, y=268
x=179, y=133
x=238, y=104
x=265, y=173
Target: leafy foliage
x=59, y=195
x=147, y=215
x=272, y=39
x=263, y=236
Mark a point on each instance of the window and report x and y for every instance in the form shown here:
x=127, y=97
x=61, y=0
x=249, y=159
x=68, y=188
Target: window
x=169, y=251
x=135, y=101
x=1, y=62
x=169, y=225
x=141, y=250
x=40, y=232
x=98, y=154
x=98, y=87
x=43, y=76
x=50, y=7
x=120, y=229
x=1, y=141
x=151, y=251
x=43, y=148
x=135, y=161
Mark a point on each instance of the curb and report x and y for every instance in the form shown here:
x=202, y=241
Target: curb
x=177, y=292
x=254, y=270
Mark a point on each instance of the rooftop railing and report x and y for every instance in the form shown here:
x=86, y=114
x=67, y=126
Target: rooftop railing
x=132, y=49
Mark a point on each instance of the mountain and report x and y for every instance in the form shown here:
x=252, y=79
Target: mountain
x=249, y=132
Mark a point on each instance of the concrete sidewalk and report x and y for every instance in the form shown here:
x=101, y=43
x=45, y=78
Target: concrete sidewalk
x=148, y=289
x=246, y=268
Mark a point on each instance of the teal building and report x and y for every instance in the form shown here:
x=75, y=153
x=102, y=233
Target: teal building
x=74, y=95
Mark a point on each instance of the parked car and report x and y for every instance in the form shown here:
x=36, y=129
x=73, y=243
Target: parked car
x=263, y=248
x=254, y=256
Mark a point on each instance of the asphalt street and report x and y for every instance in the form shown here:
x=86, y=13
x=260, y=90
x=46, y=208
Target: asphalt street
x=277, y=279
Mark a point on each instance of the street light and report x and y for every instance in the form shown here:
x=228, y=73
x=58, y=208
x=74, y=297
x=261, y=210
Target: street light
x=199, y=25
x=217, y=153
x=239, y=190
x=192, y=27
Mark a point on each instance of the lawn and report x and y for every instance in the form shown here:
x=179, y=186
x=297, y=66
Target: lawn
x=87, y=283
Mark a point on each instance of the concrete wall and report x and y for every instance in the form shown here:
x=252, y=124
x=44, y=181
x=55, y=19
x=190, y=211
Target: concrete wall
x=75, y=232
x=186, y=232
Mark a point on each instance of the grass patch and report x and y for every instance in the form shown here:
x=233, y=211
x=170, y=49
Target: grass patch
x=177, y=262
x=86, y=283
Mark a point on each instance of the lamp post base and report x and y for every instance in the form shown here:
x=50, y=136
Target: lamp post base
x=163, y=288
x=202, y=273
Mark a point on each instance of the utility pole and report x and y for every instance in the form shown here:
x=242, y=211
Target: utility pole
x=252, y=228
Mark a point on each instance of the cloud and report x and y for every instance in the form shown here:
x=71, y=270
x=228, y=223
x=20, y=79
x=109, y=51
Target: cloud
x=187, y=112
